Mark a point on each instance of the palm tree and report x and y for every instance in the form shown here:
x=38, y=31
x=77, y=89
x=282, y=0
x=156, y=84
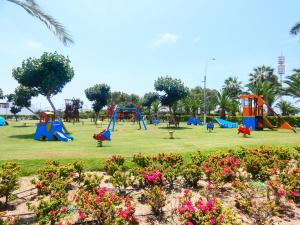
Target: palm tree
x=57, y=28
x=293, y=83
x=223, y=100
x=233, y=87
x=295, y=29
x=155, y=106
x=263, y=73
x=269, y=90
x=287, y=108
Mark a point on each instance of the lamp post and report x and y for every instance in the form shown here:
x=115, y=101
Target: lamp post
x=204, y=90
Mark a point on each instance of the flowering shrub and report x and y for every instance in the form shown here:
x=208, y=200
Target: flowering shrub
x=156, y=198
x=90, y=181
x=203, y=212
x=251, y=200
x=54, y=178
x=115, y=163
x=79, y=167
x=286, y=185
x=53, y=183
x=221, y=167
x=141, y=160
x=50, y=211
x=191, y=174
x=121, y=180
x=104, y=207
x=153, y=177
x=9, y=174
x=11, y=220
x=198, y=158
x=168, y=159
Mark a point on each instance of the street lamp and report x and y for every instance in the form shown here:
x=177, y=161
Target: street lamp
x=204, y=91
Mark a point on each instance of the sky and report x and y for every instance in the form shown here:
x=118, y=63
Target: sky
x=128, y=44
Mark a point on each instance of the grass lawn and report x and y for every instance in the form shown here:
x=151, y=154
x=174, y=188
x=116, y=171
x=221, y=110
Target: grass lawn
x=16, y=142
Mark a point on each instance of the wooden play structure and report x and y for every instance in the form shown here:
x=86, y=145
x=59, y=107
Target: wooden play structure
x=73, y=106
x=253, y=114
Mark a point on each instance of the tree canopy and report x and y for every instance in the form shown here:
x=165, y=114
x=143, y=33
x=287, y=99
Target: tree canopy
x=173, y=90
x=99, y=94
x=1, y=94
x=293, y=83
x=47, y=75
x=149, y=98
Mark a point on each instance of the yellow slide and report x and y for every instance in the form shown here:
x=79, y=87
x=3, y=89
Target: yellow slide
x=268, y=123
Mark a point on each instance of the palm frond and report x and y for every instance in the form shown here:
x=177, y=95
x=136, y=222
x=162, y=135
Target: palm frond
x=57, y=28
x=295, y=29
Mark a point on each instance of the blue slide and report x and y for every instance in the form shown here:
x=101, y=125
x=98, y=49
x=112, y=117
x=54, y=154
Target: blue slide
x=51, y=131
x=226, y=124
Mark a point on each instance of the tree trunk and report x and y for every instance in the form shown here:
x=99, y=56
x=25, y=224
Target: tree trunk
x=58, y=117
x=96, y=117
x=30, y=110
x=223, y=114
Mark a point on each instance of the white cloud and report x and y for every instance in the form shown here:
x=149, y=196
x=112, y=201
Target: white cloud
x=165, y=38
x=33, y=44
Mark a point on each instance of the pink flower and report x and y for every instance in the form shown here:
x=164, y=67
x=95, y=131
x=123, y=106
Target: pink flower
x=63, y=209
x=210, y=185
x=212, y=221
x=81, y=215
x=189, y=223
x=221, y=217
x=281, y=192
x=294, y=193
x=95, y=188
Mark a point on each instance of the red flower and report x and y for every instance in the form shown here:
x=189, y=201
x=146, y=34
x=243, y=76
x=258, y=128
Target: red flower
x=281, y=192
x=81, y=215
x=221, y=217
x=294, y=193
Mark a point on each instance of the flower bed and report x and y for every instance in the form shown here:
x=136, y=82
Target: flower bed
x=246, y=186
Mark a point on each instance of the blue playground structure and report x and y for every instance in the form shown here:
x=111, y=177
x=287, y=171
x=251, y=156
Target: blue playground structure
x=50, y=129
x=3, y=121
x=114, y=117
x=226, y=124
x=194, y=121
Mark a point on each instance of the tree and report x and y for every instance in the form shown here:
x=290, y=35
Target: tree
x=148, y=99
x=173, y=91
x=233, y=87
x=270, y=92
x=15, y=110
x=155, y=108
x=223, y=103
x=99, y=94
x=263, y=73
x=293, y=83
x=287, y=108
x=22, y=98
x=46, y=75
x=1, y=94
x=295, y=29
x=57, y=28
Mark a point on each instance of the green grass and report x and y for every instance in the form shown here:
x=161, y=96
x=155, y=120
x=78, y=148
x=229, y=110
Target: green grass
x=17, y=144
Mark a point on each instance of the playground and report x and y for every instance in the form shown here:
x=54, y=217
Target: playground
x=17, y=142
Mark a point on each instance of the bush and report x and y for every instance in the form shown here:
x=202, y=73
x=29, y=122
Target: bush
x=191, y=174
x=9, y=175
x=204, y=211
x=104, y=207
